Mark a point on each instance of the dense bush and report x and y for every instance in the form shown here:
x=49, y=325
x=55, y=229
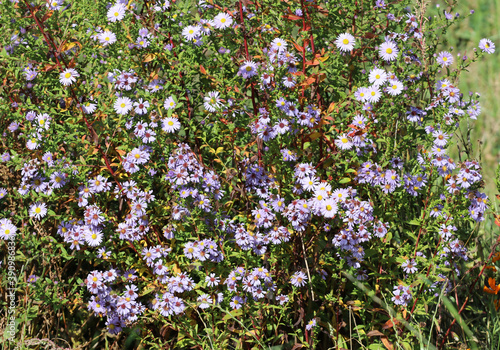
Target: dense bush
x=237, y=174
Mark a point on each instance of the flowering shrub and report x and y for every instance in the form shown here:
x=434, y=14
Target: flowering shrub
x=230, y=174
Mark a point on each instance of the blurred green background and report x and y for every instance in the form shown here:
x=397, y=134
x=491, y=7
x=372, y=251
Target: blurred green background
x=483, y=77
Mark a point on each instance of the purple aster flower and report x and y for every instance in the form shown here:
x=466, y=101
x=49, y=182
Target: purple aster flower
x=445, y=59
x=298, y=279
x=487, y=46
x=311, y=324
x=248, y=69
x=409, y=266
x=237, y=302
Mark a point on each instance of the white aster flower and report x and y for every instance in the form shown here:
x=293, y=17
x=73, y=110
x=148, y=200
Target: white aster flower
x=388, y=51
x=377, y=76
x=395, y=87
x=116, y=12
x=191, y=32
x=222, y=21
x=107, y=38
x=343, y=142
x=345, y=42
x=170, y=125
x=38, y=210
x=68, y=76
x=93, y=237
x=123, y=105
x=169, y=103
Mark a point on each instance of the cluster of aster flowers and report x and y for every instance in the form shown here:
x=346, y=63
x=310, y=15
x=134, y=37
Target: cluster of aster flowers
x=381, y=81
x=257, y=283
x=196, y=186
x=203, y=250
x=120, y=308
x=388, y=180
x=361, y=227
x=402, y=295
x=123, y=80
x=46, y=177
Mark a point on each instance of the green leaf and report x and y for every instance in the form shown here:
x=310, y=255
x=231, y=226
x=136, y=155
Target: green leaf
x=414, y=222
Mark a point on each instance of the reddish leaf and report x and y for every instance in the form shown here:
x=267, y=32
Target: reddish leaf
x=497, y=220
x=299, y=48
x=492, y=288
x=308, y=81
x=202, y=70
x=47, y=16
x=315, y=62
x=387, y=343
x=390, y=324
x=375, y=333
x=292, y=17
